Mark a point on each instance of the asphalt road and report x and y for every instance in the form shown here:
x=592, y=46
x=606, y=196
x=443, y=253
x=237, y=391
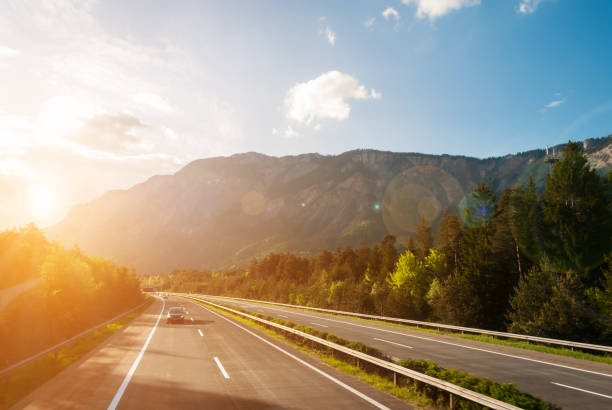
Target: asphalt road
x=209, y=362
x=567, y=382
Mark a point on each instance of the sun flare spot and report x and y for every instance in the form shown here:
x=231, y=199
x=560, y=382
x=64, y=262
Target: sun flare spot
x=42, y=201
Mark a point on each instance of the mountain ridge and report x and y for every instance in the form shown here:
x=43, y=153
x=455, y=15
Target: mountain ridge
x=221, y=212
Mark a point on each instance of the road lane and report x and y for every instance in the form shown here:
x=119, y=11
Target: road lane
x=530, y=371
x=93, y=380
x=207, y=362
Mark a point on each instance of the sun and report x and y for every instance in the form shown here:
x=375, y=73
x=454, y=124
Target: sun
x=42, y=201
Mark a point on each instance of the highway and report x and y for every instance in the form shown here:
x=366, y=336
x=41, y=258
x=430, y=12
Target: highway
x=567, y=382
x=208, y=362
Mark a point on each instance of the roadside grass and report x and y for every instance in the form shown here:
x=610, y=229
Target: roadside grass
x=520, y=344
x=415, y=393
x=24, y=380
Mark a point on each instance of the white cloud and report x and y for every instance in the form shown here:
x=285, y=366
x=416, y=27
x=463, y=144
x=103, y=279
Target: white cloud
x=555, y=103
x=369, y=22
x=325, y=97
x=331, y=36
x=436, y=8
x=154, y=101
x=290, y=132
x=528, y=6
x=390, y=12
x=8, y=52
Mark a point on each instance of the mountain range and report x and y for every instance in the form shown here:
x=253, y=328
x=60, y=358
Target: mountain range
x=222, y=212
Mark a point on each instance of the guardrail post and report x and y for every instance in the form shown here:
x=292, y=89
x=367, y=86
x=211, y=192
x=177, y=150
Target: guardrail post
x=394, y=379
x=451, y=401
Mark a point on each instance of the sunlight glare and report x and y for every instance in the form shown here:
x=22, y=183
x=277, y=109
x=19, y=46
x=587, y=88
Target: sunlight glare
x=42, y=201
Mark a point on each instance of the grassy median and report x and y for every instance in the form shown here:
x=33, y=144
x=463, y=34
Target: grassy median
x=27, y=378
x=517, y=343
x=415, y=393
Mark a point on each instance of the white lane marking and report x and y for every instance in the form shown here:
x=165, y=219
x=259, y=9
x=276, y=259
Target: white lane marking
x=192, y=320
x=286, y=317
x=457, y=345
x=393, y=343
x=333, y=379
x=582, y=390
x=221, y=368
x=318, y=324
x=200, y=332
x=130, y=373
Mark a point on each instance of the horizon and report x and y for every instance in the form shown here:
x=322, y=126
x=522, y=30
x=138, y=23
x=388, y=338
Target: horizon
x=102, y=96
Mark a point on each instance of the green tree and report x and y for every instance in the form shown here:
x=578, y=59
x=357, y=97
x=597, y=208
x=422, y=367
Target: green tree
x=576, y=217
x=424, y=237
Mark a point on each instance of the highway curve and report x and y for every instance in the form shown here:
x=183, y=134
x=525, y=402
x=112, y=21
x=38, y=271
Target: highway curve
x=208, y=362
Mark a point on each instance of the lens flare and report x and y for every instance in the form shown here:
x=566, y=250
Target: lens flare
x=253, y=203
x=420, y=191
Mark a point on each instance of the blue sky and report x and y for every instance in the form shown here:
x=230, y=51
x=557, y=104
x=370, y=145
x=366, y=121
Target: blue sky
x=102, y=95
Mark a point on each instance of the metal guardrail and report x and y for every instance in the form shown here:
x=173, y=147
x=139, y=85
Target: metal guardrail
x=439, y=326
x=452, y=389
x=58, y=346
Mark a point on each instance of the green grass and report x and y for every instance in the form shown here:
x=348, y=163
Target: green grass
x=521, y=344
x=27, y=378
x=413, y=392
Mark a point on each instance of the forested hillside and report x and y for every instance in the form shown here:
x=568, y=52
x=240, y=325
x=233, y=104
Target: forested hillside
x=222, y=212
x=526, y=261
x=75, y=292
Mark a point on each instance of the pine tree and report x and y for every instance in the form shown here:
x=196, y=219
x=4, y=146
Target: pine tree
x=424, y=237
x=576, y=218
x=449, y=238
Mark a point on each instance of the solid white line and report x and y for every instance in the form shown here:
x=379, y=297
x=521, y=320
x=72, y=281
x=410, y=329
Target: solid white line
x=333, y=379
x=582, y=390
x=130, y=373
x=456, y=344
x=318, y=324
x=200, y=332
x=393, y=343
x=221, y=368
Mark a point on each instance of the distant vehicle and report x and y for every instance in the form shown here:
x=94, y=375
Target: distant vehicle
x=175, y=315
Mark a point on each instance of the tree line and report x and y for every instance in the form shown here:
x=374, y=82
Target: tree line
x=533, y=260
x=76, y=292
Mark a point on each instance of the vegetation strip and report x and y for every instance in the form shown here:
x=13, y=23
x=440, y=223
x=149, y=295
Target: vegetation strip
x=520, y=344
x=24, y=380
x=504, y=392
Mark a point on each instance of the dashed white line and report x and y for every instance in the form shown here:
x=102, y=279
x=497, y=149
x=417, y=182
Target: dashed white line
x=321, y=372
x=130, y=373
x=318, y=324
x=221, y=368
x=200, y=332
x=582, y=390
x=286, y=317
x=393, y=343
x=455, y=344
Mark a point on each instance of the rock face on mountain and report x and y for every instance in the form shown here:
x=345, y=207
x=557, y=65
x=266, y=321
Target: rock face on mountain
x=222, y=212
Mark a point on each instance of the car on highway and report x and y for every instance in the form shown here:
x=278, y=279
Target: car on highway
x=175, y=315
